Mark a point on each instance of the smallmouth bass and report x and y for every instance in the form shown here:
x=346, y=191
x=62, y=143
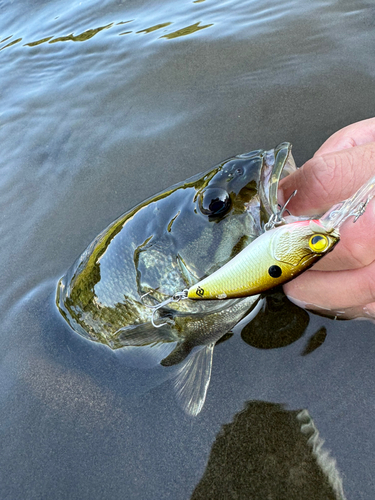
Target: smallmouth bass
x=170, y=242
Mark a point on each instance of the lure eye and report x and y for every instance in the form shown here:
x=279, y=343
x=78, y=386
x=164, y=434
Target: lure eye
x=274, y=271
x=214, y=201
x=318, y=243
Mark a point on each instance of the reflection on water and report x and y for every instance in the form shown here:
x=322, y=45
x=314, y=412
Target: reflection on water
x=268, y=452
x=154, y=28
x=89, y=33
x=10, y=43
x=82, y=37
x=187, y=31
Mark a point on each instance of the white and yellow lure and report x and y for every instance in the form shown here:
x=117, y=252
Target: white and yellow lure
x=274, y=258
x=282, y=253
x=278, y=255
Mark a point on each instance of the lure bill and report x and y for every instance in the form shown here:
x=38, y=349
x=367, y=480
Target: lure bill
x=274, y=258
x=353, y=206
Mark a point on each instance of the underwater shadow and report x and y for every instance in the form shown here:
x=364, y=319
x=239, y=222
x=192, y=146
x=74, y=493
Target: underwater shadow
x=270, y=452
x=278, y=323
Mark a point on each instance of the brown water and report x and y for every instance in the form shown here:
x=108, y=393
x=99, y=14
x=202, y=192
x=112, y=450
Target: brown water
x=102, y=105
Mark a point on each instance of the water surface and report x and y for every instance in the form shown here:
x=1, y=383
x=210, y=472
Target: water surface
x=102, y=105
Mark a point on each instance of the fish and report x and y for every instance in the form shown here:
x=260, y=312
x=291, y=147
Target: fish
x=169, y=242
x=277, y=256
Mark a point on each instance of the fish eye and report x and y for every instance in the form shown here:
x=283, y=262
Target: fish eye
x=239, y=171
x=274, y=271
x=318, y=243
x=214, y=201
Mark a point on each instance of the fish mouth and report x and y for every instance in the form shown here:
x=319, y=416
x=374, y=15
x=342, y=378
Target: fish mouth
x=278, y=163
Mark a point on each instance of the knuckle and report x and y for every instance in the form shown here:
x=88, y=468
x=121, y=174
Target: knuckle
x=320, y=178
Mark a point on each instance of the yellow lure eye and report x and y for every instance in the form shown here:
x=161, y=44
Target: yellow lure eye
x=318, y=243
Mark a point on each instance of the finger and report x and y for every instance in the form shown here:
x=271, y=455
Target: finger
x=353, y=135
x=334, y=289
x=362, y=311
x=369, y=310
x=328, y=179
x=356, y=243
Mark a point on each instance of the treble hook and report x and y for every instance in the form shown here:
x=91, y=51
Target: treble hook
x=277, y=218
x=174, y=298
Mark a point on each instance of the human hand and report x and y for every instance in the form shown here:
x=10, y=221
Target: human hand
x=342, y=282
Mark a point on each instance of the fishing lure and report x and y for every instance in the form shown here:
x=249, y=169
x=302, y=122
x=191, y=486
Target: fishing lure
x=277, y=256
x=283, y=252
x=288, y=247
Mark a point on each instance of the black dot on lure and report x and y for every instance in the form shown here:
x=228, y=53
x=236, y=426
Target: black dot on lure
x=274, y=271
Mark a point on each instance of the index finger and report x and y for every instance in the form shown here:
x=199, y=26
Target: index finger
x=356, y=134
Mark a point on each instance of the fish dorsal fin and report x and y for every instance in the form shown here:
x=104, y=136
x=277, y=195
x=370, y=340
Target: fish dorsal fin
x=193, y=378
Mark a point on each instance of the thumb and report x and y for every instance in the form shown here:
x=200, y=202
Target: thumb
x=328, y=179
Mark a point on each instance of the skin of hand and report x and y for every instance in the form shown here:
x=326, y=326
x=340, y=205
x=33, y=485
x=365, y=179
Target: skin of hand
x=343, y=282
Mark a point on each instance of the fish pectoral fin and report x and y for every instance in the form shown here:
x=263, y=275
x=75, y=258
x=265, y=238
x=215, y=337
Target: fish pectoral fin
x=142, y=335
x=193, y=378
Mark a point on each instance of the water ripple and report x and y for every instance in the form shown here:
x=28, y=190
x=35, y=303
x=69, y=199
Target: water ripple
x=90, y=33
x=80, y=24
x=186, y=31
